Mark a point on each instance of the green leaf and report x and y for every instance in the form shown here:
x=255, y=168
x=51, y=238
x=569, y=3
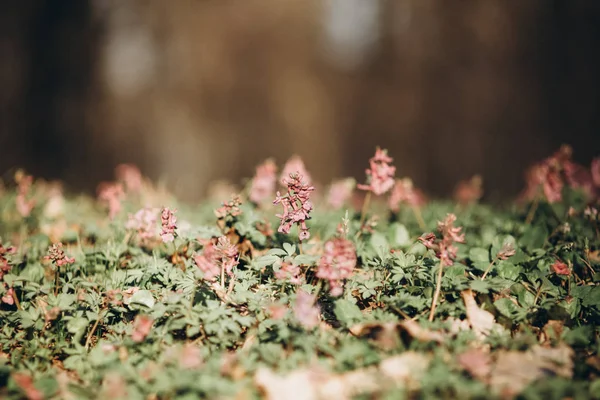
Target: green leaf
x=506, y=307
x=143, y=297
x=478, y=254
x=534, y=238
x=347, y=312
x=77, y=325
x=400, y=235
x=380, y=244
x=479, y=286
x=264, y=261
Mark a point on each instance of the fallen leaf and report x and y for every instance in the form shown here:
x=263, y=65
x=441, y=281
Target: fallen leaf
x=406, y=368
x=477, y=362
x=515, y=370
x=415, y=330
x=384, y=334
x=482, y=322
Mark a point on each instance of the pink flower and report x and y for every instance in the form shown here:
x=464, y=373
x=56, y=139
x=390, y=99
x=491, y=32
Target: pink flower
x=144, y=223
x=8, y=298
x=305, y=310
x=230, y=209
x=469, y=191
x=551, y=175
x=340, y=192
x=263, y=183
x=190, y=357
x=337, y=263
x=444, y=248
x=290, y=273
x=168, y=222
x=222, y=254
x=380, y=175
x=294, y=165
x=596, y=171
x=506, y=252
x=111, y=194
x=142, y=324
x=24, y=206
x=560, y=268
x=296, y=206
x=131, y=176
x=405, y=193
x=5, y=267
x=58, y=256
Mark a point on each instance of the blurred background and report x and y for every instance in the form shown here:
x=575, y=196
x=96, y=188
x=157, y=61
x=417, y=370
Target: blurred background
x=197, y=90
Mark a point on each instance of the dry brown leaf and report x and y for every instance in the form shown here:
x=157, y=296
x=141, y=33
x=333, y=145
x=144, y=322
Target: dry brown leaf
x=515, y=370
x=406, y=368
x=482, y=322
x=551, y=331
x=387, y=334
x=421, y=334
x=315, y=383
x=384, y=334
x=477, y=362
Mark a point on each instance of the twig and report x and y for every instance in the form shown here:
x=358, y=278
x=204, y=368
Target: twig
x=532, y=210
x=89, y=336
x=419, y=216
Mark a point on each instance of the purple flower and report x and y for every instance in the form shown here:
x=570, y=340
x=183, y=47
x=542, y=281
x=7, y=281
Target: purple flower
x=263, y=183
x=168, y=222
x=305, y=310
x=296, y=206
x=380, y=174
x=444, y=248
x=337, y=263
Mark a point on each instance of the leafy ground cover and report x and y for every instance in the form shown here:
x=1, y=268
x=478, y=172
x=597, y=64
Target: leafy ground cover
x=291, y=290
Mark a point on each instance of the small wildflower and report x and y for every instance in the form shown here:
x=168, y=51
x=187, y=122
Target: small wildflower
x=142, y=325
x=24, y=206
x=337, y=264
x=290, y=273
x=591, y=213
x=111, y=194
x=404, y=192
x=5, y=267
x=168, y=222
x=380, y=174
x=190, y=357
x=469, y=191
x=294, y=165
x=560, y=268
x=506, y=252
x=131, y=176
x=230, y=209
x=305, y=310
x=144, y=223
x=58, y=256
x=340, y=192
x=8, y=298
x=216, y=256
x=595, y=171
x=277, y=311
x=296, y=206
x=264, y=182
x=444, y=248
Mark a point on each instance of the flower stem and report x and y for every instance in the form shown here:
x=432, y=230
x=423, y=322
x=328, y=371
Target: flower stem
x=438, y=289
x=56, y=280
x=532, y=210
x=419, y=216
x=489, y=268
x=223, y=275
x=16, y=299
x=363, y=212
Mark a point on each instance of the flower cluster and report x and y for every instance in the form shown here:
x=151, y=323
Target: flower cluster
x=337, y=263
x=222, y=255
x=5, y=267
x=560, y=268
x=340, y=192
x=469, y=191
x=144, y=223
x=131, y=176
x=263, y=183
x=24, y=182
x=305, y=310
x=111, y=194
x=551, y=175
x=294, y=165
x=380, y=174
x=168, y=222
x=57, y=255
x=296, y=205
x=444, y=248
x=289, y=272
x=404, y=192
x=229, y=209
x=142, y=325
